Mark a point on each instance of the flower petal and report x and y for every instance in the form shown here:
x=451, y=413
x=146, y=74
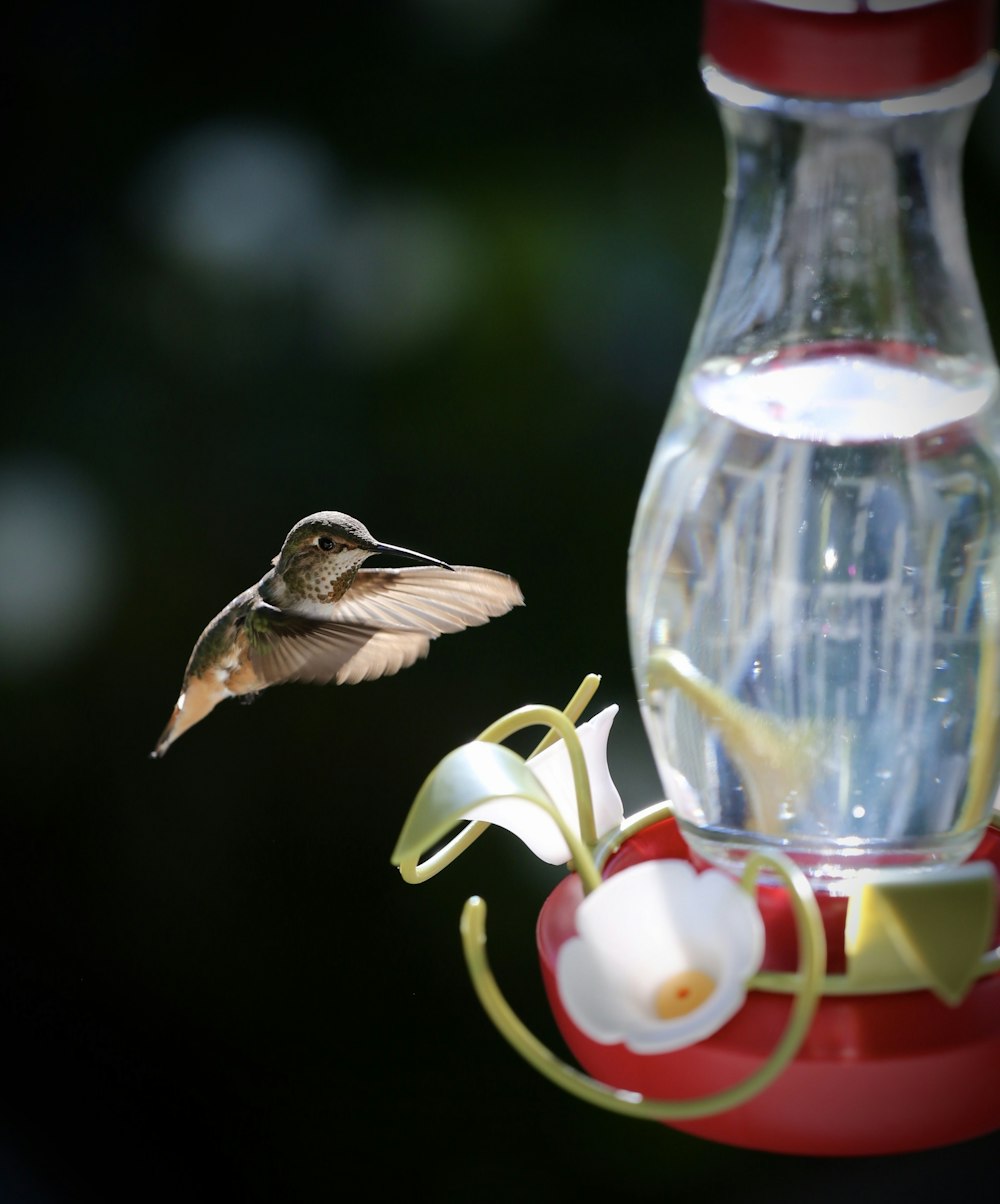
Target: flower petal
x=553, y=770
x=591, y=1000
x=528, y=823
x=633, y=921
x=640, y=928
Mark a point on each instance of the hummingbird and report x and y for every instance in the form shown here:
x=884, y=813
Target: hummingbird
x=318, y=616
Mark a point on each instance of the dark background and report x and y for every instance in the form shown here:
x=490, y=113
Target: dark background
x=432, y=263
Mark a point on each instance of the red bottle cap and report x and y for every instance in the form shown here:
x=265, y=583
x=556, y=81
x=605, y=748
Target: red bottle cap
x=843, y=49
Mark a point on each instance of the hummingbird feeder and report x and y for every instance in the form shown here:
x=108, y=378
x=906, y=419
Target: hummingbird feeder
x=799, y=950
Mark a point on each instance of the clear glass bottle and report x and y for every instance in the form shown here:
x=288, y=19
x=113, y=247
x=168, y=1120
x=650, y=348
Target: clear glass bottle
x=814, y=573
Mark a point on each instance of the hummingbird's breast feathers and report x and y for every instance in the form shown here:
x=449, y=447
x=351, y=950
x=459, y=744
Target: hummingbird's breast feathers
x=310, y=586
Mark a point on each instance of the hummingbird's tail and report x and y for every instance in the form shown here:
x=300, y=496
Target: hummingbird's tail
x=168, y=736
x=198, y=697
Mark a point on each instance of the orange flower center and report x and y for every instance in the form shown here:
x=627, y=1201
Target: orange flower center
x=682, y=993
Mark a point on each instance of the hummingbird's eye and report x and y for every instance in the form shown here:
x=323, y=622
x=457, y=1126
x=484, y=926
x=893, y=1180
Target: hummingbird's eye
x=326, y=543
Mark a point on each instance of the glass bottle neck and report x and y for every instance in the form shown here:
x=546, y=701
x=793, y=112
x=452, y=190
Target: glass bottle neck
x=844, y=225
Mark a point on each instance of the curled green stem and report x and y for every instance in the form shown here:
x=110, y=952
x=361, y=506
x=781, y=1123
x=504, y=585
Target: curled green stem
x=540, y=715
x=415, y=872
x=807, y=984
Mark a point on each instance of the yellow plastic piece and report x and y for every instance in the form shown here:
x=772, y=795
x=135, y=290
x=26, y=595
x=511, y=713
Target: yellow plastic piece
x=907, y=931
x=986, y=727
x=777, y=759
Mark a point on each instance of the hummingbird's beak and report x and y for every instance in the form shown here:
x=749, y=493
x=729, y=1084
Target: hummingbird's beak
x=392, y=550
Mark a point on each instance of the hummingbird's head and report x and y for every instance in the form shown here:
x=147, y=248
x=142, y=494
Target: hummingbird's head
x=327, y=549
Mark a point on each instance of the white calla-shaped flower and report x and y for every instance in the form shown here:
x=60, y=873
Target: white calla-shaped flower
x=552, y=768
x=663, y=956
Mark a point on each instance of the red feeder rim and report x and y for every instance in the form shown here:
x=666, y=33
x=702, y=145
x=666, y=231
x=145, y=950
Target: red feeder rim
x=847, y=49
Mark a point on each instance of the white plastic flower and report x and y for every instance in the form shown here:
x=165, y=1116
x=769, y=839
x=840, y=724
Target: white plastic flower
x=663, y=956
x=552, y=768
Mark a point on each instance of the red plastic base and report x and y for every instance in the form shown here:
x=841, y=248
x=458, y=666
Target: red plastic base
x=880, y=1074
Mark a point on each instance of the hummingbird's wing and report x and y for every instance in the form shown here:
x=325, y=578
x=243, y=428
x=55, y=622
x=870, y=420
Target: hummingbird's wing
x=431, y=600
x=384, y=623
x=297, y=649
